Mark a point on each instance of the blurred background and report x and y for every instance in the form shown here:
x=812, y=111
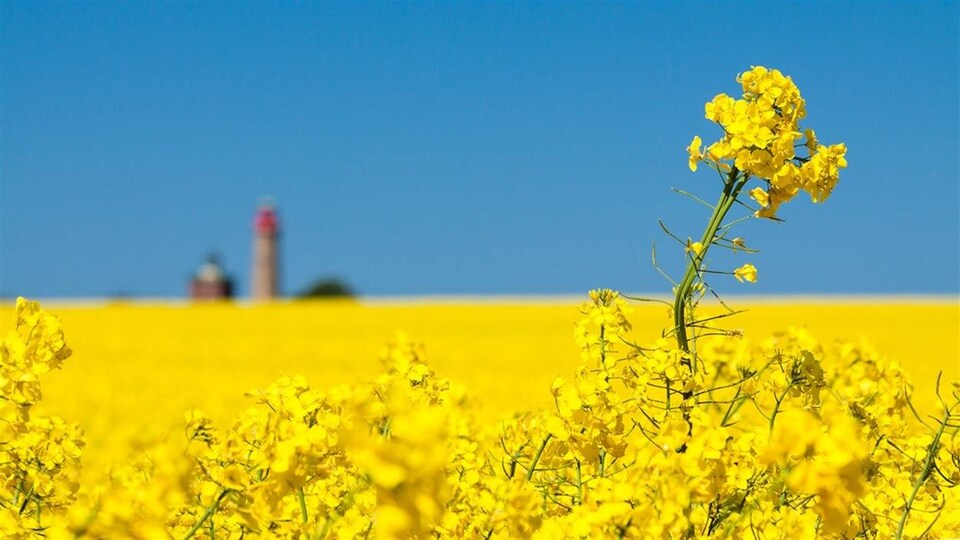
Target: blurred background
x=464, y=149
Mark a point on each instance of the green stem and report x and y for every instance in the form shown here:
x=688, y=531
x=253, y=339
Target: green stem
x=536, y=458
x=303, y=505
x=726, y=416
x=603, y=349
x=730, y=191
x=776, y=408
x=206, y=515
x=927, y=469
x=579, y=485
x=668, y=393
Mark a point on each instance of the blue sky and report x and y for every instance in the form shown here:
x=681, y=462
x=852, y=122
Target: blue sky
x=460, y=148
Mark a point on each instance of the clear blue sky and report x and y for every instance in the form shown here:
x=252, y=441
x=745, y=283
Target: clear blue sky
x=460, y=148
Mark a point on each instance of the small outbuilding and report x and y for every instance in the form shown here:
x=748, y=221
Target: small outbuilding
x=210, y=282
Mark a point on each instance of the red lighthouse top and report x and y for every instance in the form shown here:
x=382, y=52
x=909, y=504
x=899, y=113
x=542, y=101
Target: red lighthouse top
x=266, y=222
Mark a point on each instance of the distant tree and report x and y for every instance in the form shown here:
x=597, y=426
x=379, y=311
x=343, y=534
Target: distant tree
x=328, y=288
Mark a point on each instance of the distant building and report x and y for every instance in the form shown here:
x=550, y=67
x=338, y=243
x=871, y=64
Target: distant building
x=210, y=283
x=265, y=274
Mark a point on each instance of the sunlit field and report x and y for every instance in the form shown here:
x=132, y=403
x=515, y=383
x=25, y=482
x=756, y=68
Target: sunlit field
x=136, y=369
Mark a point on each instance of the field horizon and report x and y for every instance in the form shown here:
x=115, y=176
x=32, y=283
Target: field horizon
x=503, y=299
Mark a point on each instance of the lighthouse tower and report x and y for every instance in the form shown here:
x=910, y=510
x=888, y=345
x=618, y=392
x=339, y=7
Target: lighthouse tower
x=265, y=282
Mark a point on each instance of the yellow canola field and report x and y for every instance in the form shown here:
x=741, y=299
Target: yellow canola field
x=136, y=369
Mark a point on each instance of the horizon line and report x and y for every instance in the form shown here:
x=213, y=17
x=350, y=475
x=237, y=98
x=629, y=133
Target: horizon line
x=504, y=299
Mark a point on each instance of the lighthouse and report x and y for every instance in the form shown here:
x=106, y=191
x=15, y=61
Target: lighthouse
x=265, y=282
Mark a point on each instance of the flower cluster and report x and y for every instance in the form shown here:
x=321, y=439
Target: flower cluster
x=761, y=135
x=39, y=456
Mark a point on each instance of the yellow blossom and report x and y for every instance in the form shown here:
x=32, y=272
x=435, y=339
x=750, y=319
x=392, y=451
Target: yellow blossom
x=747, y=272
x=695, y=152
x=694, y=247
x=761, y=196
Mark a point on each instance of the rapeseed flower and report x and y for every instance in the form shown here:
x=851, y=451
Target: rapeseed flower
x=747, y=272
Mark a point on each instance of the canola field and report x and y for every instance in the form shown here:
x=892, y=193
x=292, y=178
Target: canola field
x=136, y=368
x=148, y=392
x=611, y=419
